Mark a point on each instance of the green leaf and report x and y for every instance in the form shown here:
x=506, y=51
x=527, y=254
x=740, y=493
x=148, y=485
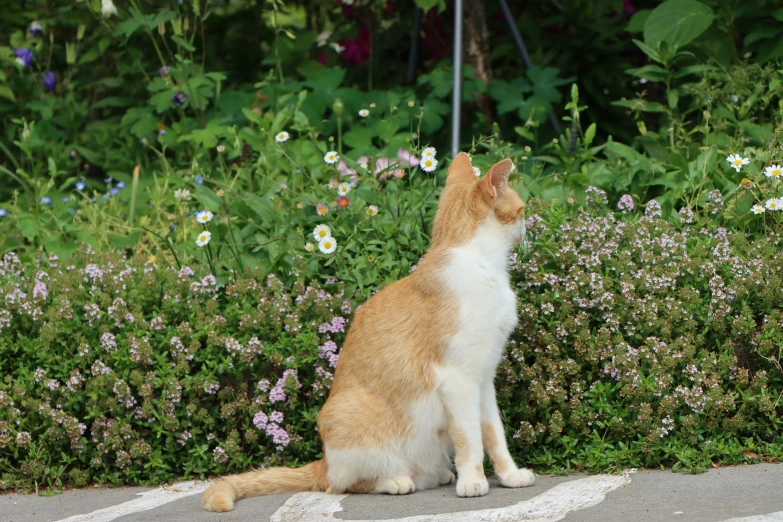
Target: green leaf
x=359, y=139
x=182, y=43
x=590, y=134
x=653, y=73
x=640, y=105
x=651, y=53
x=6, y=92
x=677, y=22
x=637, y=21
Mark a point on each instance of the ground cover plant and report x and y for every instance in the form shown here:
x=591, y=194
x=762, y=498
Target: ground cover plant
x=642, y=342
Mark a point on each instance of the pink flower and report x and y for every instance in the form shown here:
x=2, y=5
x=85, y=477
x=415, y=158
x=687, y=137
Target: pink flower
x=381, y=164
x=344, y=169
x=321, y=209
x=407, y=159
x=357, y=51
x=343, y=201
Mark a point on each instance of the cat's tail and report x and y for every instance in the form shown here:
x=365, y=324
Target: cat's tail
x=221, y=495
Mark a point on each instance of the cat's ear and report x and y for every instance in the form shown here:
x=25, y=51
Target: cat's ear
x=461, y=169
x=496, y=180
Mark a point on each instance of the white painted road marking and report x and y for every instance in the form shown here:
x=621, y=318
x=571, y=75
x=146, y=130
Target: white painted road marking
x=146, y=501
x=769, y=517
x=550, y=506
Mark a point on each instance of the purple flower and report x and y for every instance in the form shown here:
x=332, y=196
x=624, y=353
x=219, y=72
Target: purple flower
x=260, y=420
x=626, y=204
x=164, y=71
x=36, y=28
x=49, y=81
x=3, y=212
x=653, y=209
x=24, y=56
x=80, y=185
x=163, y=132
x=180, y=98
x=120, y=185
x=199, y=179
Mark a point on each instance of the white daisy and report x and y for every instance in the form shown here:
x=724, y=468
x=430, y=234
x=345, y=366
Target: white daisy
x=477, y=171
x=203, y=238
x=773, y=204
x=773, y=171
x=320, y=232
x=343, y=188
x=309, y=247
x=737, y=161
x=327, y=245
x=364, y=113
x=428, y=164
x=757, y=209
x=372, y=210
x=204, y=216
x=331, y=157
x=282, y=136
x=429, y=152
x=107, y=8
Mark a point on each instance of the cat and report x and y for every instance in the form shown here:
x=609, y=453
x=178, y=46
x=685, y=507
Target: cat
x=415, y=379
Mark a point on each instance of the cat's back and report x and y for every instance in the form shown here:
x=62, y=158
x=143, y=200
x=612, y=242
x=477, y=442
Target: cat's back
x=401, y=331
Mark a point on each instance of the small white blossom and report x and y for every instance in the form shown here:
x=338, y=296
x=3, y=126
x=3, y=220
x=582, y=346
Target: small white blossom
x=327, y=245
x=331, y=157
x=203, y=238
x=281, y=136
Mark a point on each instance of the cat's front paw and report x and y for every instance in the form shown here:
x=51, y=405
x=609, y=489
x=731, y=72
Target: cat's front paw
x=472, y=486
x=518, y=478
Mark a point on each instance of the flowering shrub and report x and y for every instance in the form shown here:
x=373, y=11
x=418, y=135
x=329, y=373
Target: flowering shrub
x=643, y=342
x=124, y=371
x=640, y=342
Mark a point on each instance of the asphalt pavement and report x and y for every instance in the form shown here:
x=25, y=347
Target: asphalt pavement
x=736, y=494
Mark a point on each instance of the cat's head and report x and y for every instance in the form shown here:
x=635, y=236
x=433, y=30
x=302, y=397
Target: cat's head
x=467, y=202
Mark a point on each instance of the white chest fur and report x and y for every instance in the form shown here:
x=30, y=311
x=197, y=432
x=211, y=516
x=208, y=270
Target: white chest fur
x=478, y=275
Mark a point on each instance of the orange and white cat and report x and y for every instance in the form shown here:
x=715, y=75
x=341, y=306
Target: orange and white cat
x=415, y=379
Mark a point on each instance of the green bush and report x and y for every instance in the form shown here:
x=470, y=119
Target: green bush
x=641, y=343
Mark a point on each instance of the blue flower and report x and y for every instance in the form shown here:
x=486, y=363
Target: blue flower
x=3, y=212
x=162, y=133
x=164, y=71
x=172, y=227
x=199, y=179
x=708, y=98
x=36, y=28
x=24, y=56
x=80, y=185
x=180, y=98
x=49, y=81
x=114, y=191
x=734, y=98
x=120, y=185
x=72, y=210
x=107, y=180
x=65, y=199
x=105, y=197
x=45, y=200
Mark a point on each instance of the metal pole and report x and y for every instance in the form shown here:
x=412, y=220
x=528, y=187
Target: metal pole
x=523, y=51
x=413, y=57
x=457, y=81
